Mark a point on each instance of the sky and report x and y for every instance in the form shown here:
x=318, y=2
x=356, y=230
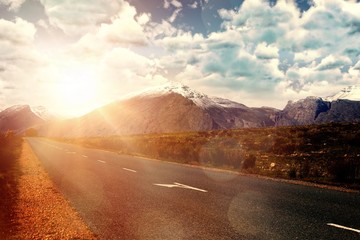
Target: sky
x=74, y=56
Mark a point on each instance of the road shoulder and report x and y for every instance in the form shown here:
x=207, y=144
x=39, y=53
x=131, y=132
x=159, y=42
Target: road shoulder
x=41, y=211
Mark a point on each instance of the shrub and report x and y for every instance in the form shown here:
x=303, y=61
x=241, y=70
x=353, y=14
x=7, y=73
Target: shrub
x=344, y=169
x=10, y=148
x=249, y=161
x=305, y=169
x=292, y=172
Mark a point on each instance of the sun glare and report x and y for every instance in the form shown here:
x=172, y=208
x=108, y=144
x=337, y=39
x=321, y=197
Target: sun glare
x=77, y=89
x=78, y=86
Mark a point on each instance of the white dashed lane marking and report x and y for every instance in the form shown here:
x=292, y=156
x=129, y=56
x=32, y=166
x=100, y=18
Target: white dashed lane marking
x=84, y=156
x=130, y=170
x=101, y=161
x=179, y=185
x=343, y=227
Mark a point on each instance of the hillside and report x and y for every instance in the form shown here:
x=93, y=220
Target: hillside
x=327, y=153
x=19, y=118
x=169, y=108
x=174, y=107
x=314, y=110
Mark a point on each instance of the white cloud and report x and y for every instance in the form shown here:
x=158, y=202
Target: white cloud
x=174, y=15
x=158, y=31
x=193, y=5
x=166, y=4
x=181, y=41
x=307, y=56
x=81, y=16
x=176, y=3
x=178, y=7
x=327, y=25
x=123, y=59
x=52, y=76
x=144, y=18
x=300, y=78
x=264, y=51
x=357, y=66
x=19, y=32
x=125, y=71
x=124, y=29
x=20, y=62
x=109, y=50
x=269, y=49
x=13, y=5
x=42, y=23
x=332, y=62
x=276, y=52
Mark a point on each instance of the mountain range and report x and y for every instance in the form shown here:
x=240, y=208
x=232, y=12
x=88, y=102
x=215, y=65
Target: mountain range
x=18, y=118
x=174, y=107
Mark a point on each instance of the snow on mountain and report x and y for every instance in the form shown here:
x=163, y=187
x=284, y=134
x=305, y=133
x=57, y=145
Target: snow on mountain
x=172, y=107
x=200, y=99
x=39, y=111
x=13, y=109
x=43, y=113
x=18, y=118
x=350, y=93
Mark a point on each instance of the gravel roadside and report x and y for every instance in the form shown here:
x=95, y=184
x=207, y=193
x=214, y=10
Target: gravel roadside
x=40, y=211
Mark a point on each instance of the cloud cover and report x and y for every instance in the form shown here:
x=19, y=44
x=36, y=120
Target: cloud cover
x=276, y=49
x=263, y=54
x=12, y=5
x=20, y=62
x=81, y=16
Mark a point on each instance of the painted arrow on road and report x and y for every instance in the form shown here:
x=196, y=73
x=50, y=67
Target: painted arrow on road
x=179, y=185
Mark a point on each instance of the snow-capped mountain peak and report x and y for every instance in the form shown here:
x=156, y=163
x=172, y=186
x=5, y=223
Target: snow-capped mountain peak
x=42, y=113
x=200, y=99
x=349, y=93
x=170, y=87
x=14, y=109
x=38, y=111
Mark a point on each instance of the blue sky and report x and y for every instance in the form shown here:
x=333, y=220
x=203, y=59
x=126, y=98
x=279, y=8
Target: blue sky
x=204, y=18
x=73, y=56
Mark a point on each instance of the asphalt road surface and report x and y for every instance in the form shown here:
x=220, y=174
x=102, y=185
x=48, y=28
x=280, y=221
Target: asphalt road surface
x=126, y=197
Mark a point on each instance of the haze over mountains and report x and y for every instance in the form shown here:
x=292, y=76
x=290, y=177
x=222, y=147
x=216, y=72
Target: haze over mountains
x=18, y=118
x=169, y=108
x=177, y=108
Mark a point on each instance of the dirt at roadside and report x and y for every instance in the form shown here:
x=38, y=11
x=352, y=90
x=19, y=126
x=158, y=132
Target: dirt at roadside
x=40, y=211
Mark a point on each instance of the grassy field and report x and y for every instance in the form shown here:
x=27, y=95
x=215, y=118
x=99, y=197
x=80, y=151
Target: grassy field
x=321, y=153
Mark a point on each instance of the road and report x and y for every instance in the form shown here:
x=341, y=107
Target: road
x=126, y=197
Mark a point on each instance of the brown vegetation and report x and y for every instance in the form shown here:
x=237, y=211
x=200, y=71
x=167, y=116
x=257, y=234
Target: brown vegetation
x=321, y=153
x=30, y=205
x=41, y=212
x=10, y=149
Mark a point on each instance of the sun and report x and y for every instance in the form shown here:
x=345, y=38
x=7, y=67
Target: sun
x=77, y=88
x=78, y=85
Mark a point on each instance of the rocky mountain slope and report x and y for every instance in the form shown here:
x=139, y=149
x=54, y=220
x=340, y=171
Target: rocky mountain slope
x=174, y=107
x=43, y=113
x=341, y=107
x=18, y=118
x=169, y=108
